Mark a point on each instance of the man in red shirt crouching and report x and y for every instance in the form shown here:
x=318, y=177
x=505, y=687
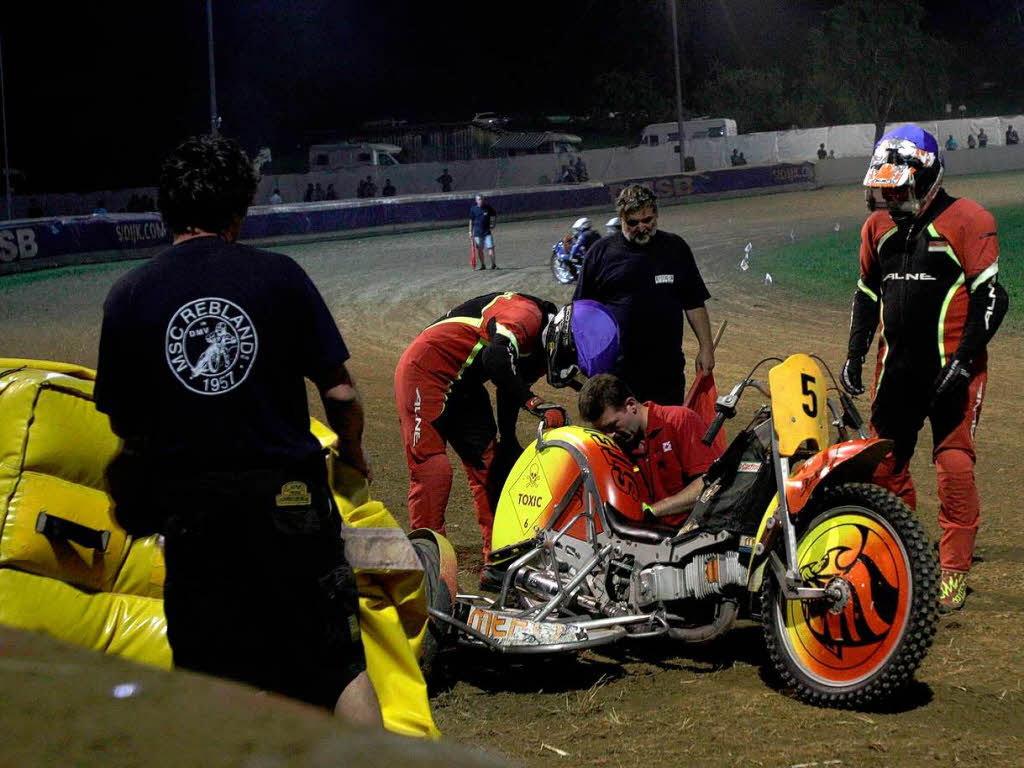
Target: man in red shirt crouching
x=663, y=440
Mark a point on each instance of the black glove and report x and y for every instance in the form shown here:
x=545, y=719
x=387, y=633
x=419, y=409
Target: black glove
x=952, y=381
x=850, y=377
x=553, y=415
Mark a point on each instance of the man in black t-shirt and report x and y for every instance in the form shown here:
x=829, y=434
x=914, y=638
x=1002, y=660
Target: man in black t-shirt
x=649, y=280
x=482, y=219
x=202, y=361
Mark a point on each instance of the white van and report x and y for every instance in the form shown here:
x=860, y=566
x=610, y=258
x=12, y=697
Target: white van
x=333, y=157
x=658, y=134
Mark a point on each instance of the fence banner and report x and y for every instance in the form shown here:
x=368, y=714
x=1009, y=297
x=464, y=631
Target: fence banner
x=682, y=185
x=40, y=243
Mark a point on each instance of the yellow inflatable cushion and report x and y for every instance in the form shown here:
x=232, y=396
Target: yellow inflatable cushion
x=123, y=625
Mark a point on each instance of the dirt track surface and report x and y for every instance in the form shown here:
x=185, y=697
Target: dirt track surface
x=658, y=702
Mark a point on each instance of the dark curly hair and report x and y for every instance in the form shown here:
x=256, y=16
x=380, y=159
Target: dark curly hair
x=633, y=199
x=208, y=183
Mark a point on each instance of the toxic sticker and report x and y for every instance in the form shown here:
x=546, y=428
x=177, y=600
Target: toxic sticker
x=530, y=495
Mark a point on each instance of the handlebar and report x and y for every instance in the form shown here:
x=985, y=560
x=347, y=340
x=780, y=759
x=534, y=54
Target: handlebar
x=716, y=424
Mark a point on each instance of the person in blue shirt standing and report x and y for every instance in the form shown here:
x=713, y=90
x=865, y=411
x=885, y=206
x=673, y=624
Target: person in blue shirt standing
x=482, y=219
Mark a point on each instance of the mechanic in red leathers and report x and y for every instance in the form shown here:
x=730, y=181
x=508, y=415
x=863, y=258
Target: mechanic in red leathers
x=510, y=339
x=928, y=277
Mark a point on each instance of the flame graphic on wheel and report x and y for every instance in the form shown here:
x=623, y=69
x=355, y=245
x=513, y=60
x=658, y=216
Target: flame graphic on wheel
x=868, y=614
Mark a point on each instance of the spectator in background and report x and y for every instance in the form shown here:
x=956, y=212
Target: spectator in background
x=581, y=169
x=275, y=197
x=445, y=180
x=361, y=189
x=389, y=189
x=971, y=141
x=951, y=143
x=370, y=188
x=330, y=194
x=822, y=154
x=1011, y=136
x=831, y=154
x=734, y=158
x=308, y=196
x=318, y=193
x=742, y=160
x=982, y=139
x=482, y=219
x=568, y=175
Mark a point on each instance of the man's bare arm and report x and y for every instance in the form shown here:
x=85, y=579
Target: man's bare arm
x=345, y=417
x=680, y=502
x=700, y=322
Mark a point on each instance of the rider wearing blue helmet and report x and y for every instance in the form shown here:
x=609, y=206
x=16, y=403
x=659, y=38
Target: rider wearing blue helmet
x=928, y=269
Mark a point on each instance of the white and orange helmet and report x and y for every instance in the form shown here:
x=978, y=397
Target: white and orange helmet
x=905, y=172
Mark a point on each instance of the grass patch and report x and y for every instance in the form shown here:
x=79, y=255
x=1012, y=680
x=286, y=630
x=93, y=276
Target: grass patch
x=826, y=267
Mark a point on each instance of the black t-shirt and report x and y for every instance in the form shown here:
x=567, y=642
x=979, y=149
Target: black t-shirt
x=204, y=352
x=647, y=287
x=482, y=218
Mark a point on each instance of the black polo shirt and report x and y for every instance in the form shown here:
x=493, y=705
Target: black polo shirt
x=203, y=355
x=647, y=287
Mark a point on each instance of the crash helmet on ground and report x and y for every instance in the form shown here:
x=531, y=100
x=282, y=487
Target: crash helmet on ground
x=582, y=337
x=613, y=225
x=905, y=172
x=581, y=224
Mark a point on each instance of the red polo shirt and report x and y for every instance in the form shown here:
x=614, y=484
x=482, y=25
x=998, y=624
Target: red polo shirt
x=672, y=453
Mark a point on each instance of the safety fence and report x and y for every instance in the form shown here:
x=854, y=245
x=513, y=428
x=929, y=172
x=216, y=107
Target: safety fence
x=42, y=243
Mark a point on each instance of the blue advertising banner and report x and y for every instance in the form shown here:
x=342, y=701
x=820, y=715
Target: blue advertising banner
x=41, y=243
x=725, y=180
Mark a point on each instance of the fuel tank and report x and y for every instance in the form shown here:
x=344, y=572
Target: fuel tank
x=541, y=481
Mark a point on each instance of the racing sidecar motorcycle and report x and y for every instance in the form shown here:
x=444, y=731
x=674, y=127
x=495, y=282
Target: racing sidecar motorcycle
x=565, y=267
x=787, y=531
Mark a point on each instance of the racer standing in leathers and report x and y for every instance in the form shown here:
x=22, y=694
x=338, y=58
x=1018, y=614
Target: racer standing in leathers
x=510, y=339
x=928, y=269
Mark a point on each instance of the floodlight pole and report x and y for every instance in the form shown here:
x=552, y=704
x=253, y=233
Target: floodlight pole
x=214, y=120
x=3, y=111
x=679, y=87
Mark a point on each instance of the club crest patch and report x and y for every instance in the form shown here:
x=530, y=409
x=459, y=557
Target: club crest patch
x=210, y=345
x=293, y=494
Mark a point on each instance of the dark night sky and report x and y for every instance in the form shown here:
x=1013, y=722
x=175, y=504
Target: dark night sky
x=97, y=93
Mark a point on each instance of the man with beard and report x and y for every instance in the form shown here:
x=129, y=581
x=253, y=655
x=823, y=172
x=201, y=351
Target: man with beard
x=649, y=280
x=663, y=440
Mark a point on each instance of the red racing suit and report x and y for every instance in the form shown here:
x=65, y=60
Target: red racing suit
x=672, y=453
x=441, y=398
x=930, y=284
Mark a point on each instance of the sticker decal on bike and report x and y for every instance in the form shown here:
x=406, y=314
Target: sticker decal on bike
x=509, y=630
x=210, y=345
x=530, y=495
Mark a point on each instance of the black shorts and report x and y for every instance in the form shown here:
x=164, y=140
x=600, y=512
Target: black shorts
x=258, y=588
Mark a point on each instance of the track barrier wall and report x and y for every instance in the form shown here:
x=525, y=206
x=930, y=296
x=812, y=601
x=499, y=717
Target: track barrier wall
x=34, y=244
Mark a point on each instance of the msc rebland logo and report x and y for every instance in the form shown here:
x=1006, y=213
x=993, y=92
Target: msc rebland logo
x=210, y=345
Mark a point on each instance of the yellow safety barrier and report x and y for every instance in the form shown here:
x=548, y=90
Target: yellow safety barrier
x=67, y=568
